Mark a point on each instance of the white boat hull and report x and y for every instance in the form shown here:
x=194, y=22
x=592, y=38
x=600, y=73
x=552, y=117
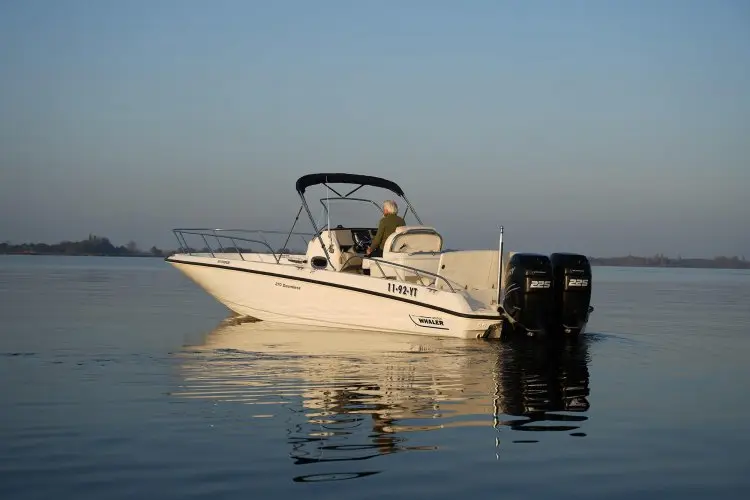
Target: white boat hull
x=299, y=295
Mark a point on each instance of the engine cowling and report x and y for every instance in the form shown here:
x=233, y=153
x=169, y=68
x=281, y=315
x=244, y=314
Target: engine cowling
x=528, y=297
x=572, y=292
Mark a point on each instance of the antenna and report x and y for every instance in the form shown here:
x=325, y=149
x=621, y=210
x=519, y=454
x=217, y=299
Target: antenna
x=328, y=221
x=328, y=208
x=500, y=266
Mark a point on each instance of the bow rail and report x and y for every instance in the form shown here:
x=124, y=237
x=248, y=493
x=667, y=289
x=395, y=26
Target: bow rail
x=232, y=235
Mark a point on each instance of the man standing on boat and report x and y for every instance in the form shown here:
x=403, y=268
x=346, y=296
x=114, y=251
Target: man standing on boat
x=387, y=225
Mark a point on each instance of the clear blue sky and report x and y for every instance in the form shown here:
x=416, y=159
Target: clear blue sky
x=605, y=127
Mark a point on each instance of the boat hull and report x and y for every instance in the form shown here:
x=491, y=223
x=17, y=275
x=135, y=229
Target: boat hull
x=303, y=296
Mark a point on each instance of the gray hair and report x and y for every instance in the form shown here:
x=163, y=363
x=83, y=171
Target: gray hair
x=390, y=207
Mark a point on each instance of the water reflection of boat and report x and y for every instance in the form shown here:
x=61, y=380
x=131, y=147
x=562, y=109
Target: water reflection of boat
x=538, y=384
x=351, y=396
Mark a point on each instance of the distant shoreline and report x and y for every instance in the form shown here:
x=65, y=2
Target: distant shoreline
x=630, y=261
x=97, y=246
x=651, y=262
x=92, y=246
x=40, y=254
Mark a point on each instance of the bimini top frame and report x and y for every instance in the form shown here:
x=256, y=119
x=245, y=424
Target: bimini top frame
x=343, y=178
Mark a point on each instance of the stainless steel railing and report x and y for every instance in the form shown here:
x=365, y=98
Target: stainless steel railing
x=231, y=235
x=216, y=234
x=415, y=270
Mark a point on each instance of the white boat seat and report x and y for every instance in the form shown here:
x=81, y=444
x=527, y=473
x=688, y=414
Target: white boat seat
x=410, y=239
x=413, y=246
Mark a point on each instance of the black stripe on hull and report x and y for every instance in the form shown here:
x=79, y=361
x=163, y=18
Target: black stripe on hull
x=337, y=285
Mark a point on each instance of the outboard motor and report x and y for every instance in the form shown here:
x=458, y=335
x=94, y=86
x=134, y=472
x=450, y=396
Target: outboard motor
x=572, y=291
x=528, y=297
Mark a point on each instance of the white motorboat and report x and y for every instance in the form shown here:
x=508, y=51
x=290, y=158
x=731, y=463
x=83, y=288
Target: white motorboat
x=416, y=287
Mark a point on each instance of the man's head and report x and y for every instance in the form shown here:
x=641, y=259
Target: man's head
x=390, y=207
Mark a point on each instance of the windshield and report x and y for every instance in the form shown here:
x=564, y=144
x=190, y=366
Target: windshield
x=362, y=209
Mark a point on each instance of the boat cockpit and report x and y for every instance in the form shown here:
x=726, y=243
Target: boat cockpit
x=345, y=246
x=412, y=254
x=409, y=246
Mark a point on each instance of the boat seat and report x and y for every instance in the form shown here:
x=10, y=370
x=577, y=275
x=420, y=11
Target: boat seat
x=411, y=239
x=413, y=246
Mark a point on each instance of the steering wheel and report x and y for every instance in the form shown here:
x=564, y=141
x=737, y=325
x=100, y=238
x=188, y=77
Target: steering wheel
x=362, y=241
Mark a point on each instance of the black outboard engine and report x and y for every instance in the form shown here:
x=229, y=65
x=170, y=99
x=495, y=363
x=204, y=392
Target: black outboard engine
x=572, y=290
x=528, y=297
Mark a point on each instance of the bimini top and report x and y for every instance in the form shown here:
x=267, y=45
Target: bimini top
x=364, y=180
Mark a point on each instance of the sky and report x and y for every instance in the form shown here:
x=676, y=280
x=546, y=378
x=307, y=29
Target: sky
x=602, y=127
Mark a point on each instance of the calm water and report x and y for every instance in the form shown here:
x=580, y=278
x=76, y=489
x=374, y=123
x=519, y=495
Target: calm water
x=119, y=378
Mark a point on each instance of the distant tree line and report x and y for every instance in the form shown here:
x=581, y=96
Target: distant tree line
x=93, y=245
x=659, y=260
x=102, y=246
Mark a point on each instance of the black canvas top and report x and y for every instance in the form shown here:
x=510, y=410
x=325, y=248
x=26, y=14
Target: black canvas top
x=311, y=179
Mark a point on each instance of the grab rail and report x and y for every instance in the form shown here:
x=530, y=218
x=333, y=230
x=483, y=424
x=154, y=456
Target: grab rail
x=203, y=232
x=415, y=270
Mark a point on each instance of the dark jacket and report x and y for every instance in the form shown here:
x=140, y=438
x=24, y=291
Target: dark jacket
x=386, y=226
